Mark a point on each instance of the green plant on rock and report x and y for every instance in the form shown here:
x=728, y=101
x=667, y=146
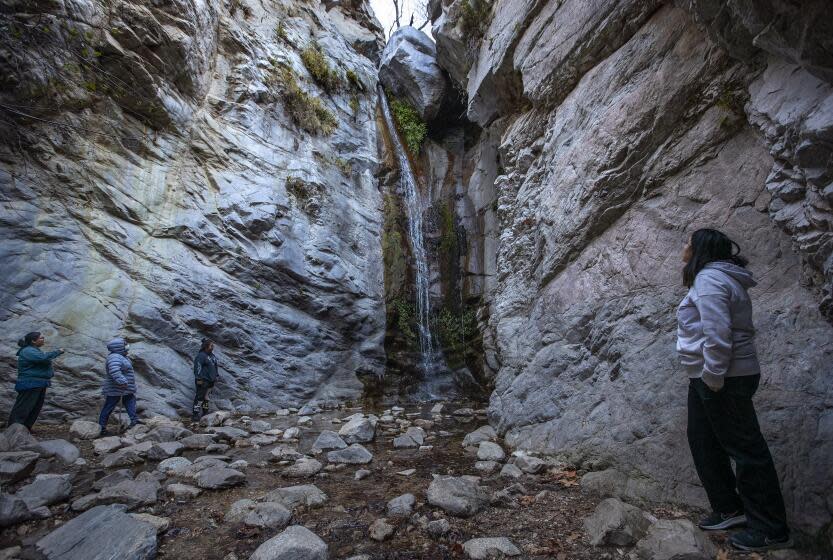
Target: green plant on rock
x=320, y=70
x=354, y=104
x=405, y=319
x=456, y=330
x=280, y=32
x=305, y=110
x=474, y=18
x=354, y=81
x=409, y=123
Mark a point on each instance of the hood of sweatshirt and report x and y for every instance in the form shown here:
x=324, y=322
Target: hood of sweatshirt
x=742, y=275
x=117, y=346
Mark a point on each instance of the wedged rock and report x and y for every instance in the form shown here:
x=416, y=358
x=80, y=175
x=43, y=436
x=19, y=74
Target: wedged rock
x=302, y=468
x=359, y=429
x=214, y=478
x=101, y=533
x=174, y=465
x=197, y=441
x=329, y=440
x=164, y=450
x=490, y=548
x=489, y=451
x=84, y=429
x=452, y=47
x=307, y=495
x=266, y=515
x=45, y=490
x=182, y=492
x=481, y=434
x=161, y=524
x=18, y=438
x=141, y=491
x=17, y=465
x=616, y=523
x=122, y=458
x=459, y=496
x=401, y=506
x=355, y=454
x=294, y=543
x=409, y=70
x=284, y=453
x=113, y=478
x=530, y=464
x=14, y=510
x=675, y=539
x=380, y=530
x=108, y=444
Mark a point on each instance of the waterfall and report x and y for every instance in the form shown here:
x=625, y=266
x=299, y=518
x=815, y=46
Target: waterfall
x=415, y=208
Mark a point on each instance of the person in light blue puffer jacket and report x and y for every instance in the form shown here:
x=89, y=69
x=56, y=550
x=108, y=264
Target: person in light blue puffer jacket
x=119, y=384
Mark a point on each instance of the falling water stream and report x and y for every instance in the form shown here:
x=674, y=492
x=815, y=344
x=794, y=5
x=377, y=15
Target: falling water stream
x=415, y=207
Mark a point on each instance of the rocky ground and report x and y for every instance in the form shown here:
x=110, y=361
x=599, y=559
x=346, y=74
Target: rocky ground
x=427, y=481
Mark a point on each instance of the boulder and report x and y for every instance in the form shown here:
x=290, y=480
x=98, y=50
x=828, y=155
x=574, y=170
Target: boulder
x=510, y=471
x=307, y=495
x=141, y=491
x=18, y=438
x=380, y=530
x=167, y=432
x=490, y=548
x=215, y=418
x=174, y=465
x=438, y=528
x=530, y=464
x=84, y=429
x=266, y=515
x=353, y=455
x=113, y=478
x=410, y=71
x=675, y=540
x=292, y=433
x=197, y=441
x=16, y=465
x=294, y=543
x=229, y=433
x=284, y=453
x=164, y=450
x=45, y=490
x=401, y=506
x=329, y=440
x=459, y=496
x=214, y=478
x=259, y=426
x=481, y=434
x=14, y=510
x=122, y=458
x=105, y=445
x=182, y=492
x=616, y=523
x=101, y=533
x=487, y=467
x=84, y=502
x=302, y=468
x=359, y=429
x=489, y=451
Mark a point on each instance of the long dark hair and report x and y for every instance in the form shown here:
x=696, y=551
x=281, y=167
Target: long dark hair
x=206, y=342
x=709, y=245
x=28, y=339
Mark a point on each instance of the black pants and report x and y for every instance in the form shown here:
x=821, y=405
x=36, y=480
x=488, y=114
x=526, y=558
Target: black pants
x=27, y=407
x=201, y=399
x=724, y=425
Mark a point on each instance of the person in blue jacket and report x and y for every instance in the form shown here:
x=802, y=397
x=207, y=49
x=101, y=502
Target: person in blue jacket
x=34, y=375
x=206, y=371
x=119, y=384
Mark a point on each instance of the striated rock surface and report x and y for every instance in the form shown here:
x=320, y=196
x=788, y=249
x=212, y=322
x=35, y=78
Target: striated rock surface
x=154, y=184
x=610, y=131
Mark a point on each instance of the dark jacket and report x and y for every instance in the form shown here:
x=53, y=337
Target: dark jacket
x=206, y=367
x=120, y=379
x=34, y=368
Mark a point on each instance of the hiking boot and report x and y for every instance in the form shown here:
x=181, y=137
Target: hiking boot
x=134, y=424
x=104, y=433
x=716, y=521
x=755, y=541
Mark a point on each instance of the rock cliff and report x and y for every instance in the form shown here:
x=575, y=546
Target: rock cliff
x=172, y=170
x=611, y=130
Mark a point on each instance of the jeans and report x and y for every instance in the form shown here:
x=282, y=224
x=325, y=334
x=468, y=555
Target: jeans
x=723, y=425
x=201, y=399
x=110, y=405
x=27, y=407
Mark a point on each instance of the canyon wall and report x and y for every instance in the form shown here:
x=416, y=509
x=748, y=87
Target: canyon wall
x=166, y=173
x=611, y=130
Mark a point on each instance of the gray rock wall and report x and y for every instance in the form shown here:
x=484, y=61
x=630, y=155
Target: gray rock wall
x=623, y=127
x=155, y=186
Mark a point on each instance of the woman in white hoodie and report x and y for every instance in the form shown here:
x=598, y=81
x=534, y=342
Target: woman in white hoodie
x=715, y=342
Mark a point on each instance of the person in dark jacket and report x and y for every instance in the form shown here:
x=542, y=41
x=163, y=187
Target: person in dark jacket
x=715, y=342
x=205, y=375
x=34, y=375
x=119, y=384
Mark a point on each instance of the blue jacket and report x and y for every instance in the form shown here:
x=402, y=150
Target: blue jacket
x=206, y=367
x=34, y=368
x=120, y=379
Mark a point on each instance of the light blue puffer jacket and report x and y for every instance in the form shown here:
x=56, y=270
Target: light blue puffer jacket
x=120, y=379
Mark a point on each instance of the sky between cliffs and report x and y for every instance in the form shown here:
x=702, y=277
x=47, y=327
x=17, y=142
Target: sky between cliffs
x=384, y=11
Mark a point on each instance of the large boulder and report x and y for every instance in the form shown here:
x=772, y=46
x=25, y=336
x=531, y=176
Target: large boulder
x=45, y=490
x=141, y=491
x=409, y=70
x=459, y=496
x=101, y=533
x=14, y=510
x=453, y=52
x=294, y=543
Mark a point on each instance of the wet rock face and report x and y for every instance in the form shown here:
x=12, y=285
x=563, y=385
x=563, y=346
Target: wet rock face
x=608, y=139
x=174, y=200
